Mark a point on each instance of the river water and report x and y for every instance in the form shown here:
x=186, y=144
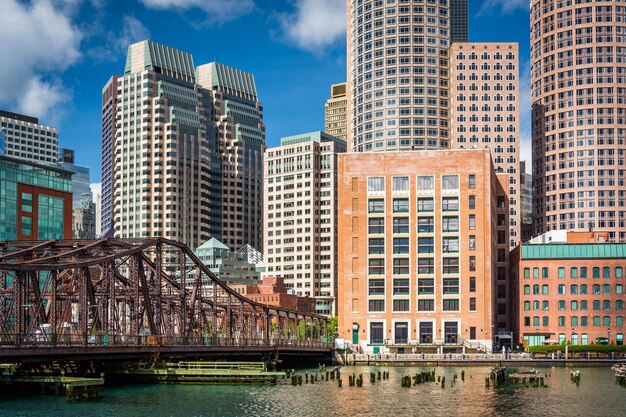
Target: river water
x=597, y=395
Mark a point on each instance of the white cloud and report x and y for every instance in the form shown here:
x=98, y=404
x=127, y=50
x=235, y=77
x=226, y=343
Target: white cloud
x=38, y=41
x=315, y=24
x=217, y=11
x=503, y=6
x=132, y=31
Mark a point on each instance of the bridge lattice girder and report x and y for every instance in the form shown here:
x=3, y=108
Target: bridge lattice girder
x=129, y=288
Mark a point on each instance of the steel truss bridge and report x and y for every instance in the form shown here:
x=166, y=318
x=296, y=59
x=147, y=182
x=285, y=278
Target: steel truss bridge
x=131, y=297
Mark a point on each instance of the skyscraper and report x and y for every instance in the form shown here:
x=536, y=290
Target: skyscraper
x=301, y=220
x=458, y=21
x=578, y=58
x=398, y=63
x=24, y=137
x=238, y=120
x=80, y=178
x=109, y=110
x=165, y=178
x=335, y=116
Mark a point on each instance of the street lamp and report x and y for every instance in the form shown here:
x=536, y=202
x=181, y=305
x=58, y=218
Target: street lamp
x=609, y=335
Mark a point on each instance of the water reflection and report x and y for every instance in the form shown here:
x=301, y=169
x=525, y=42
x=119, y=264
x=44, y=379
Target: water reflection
x=597, y=395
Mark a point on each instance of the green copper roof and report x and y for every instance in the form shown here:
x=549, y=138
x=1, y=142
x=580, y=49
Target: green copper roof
x=575, y=251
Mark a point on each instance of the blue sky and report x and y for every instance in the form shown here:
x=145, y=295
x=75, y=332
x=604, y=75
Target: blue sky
x=58, y=54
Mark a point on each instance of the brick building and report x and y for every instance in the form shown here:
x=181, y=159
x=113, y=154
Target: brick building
x=417, y=248
x=272, y=291
x=570, y=289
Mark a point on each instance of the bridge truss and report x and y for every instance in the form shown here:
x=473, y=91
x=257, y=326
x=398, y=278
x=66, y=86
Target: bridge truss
x=121, y=292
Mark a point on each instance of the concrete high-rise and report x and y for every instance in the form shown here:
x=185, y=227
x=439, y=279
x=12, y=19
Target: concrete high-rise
x=335, y=112
x=578, y=74
x=238, y=121
x=109, y=111
x=301, y=215
x=24, y=137
x=165, y=177
x=398, y=73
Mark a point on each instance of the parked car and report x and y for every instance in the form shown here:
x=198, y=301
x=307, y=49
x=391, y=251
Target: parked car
x=602, y=340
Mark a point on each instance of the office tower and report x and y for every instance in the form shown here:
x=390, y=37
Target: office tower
x=24, y=137
x=335, y=116
x=84, y=219
x=165, y=159
x=397, y=78
x=229, y=266
x=417, y=252
x=238, y=118
x=578, y=65
x=571, y=288
x=458, y=21
x=300, y=200
x=526, y=195
x=484, y=110
x=98, y=230
x=109, y=111
x=35, y=200
x=80, y=178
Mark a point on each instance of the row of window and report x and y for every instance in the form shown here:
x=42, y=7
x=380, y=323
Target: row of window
x=575, y=272
x=378, y=306
x=423, y=183
x=401, y=205
x=401, y=266
x=575, y=289
x=575, y=305
x=574, y=321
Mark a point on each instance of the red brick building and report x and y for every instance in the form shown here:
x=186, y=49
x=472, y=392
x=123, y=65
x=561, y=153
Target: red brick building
x=272, y=292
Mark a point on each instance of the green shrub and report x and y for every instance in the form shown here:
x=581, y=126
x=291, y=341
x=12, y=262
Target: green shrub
x=578, y=348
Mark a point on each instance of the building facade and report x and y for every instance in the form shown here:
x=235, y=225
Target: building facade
x=417, y=258
x=165, y=182
x=232, y=267
x=526, y=195
x=80, y=178
x=273, y=292
x=35, y=200
x=24, y=137
x=570, y=292
x=238, y=118
x=398, y=73
x=84, y=219
x=301, y=215
x=109, y=135
x=578, y=68
x=335, y=112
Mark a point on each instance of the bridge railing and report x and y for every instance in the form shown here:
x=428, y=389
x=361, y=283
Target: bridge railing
x=110, y=340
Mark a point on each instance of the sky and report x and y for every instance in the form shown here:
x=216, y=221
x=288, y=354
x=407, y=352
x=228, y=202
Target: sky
x=58, y=54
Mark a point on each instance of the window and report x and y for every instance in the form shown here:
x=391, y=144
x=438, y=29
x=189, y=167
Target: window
x=401, y=266
x=27, y=226
x=573, y=289
x=544, y=289
x=376, y=184
x=584, y=305
x=561, y=320
x=472, y=263
x=425, y=183
x=376, y=333
x=376, y=225
x=618, y=272
x=527, y=289
x=573, y=272
x=526, y=272
x=400, y=245
x=535, y=272
x=584, y=321
x=425, y=245
x=425, y=305
x=425, y=266
x=546, y=321
x=450, y=265
x=561, y=305
x=376, y=246
x=596, y=305
x=606, y=305
x=472, y=181
x=619, y=289
x=376, y=287
x=596, y=320
x=400, y=205
x=450, y=245
x=596, y=289
x=376, y=305
x=545, y=305
x=472, y=303
x=583, y=272
x=27, y=205
x=535, y=305
x=450, y=204
x=619, y=321
x=544, y=272
x=574, y=305
x=583, y=289
x=450, y=305
x=425, y=225
x=400, y=225
x=376, y=266
x=376, y=206
x=561, y=272
x=472, y=202
x=472, y=222
x=450, y=224
x=596, y=272
x=619, y=305
x=400, y=305
x=472, y=242
x=449, y=182
x=606, y=289
x=425, y=286
x=606, y=321
x=526, y=305
x=606, y=272
x=401, y=287
x=425, y=205
x=450, y=285
x=561, y=289
x=574, y=320
x=400, y=184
